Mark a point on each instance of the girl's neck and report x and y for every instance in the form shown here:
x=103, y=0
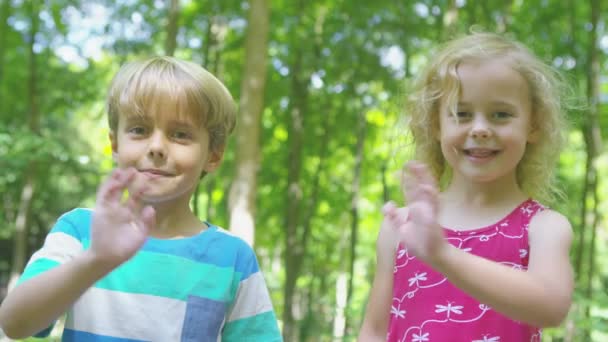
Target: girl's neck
x=467, y=205
x=484, y=194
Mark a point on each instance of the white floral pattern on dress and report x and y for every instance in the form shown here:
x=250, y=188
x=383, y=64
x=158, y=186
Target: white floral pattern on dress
x=414, y=319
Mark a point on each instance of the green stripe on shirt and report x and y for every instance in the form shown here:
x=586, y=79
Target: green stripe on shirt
x=140, y=275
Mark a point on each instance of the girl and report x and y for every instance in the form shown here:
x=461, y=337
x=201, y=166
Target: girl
x=481, y=259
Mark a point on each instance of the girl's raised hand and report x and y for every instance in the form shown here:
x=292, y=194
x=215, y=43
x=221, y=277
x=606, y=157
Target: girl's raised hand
x=119, y=227
x=419, y=231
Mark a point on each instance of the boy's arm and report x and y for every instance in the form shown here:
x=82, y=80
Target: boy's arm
x=377, y=313
x=251, y=316
x=540, y=296
x=118, y=229
x=38, y=302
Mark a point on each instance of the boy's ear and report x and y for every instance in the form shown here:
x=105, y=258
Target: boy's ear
x=114, y=144
x=216, y=156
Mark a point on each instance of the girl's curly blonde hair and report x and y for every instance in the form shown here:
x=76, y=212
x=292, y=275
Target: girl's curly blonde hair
x=439, y=83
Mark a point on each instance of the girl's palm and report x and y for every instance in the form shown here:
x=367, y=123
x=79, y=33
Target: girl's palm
x=419, y=231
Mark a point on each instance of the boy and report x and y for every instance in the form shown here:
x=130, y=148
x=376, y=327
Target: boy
x=145, y=267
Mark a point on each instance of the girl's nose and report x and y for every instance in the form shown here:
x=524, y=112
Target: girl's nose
x=480, y=129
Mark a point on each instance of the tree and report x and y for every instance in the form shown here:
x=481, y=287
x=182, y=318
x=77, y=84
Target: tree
x=247, y=164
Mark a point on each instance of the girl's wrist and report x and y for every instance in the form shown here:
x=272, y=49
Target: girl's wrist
x=442, y=256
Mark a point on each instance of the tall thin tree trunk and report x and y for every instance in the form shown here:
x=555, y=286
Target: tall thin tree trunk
x=172, y=27
x=294, y=250
x=5, y=10
x=211, y=54
x=29, y=185
x=242, y=198
x=356, y=194
x=593, y=141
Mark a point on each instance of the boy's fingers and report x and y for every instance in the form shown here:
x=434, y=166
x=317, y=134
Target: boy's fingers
x=109, y=188
x=148, y=218
x=117, y=183
x=135, y=204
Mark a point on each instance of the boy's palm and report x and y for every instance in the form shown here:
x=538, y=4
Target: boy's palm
x=119, y=228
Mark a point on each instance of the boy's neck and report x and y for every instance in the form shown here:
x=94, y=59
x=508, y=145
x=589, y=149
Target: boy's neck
x=175, y=220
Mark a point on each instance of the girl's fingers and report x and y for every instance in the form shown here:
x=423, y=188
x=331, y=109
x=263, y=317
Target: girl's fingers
x=389, y=208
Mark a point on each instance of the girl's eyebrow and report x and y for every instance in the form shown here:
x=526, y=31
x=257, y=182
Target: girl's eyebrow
x=493, y=103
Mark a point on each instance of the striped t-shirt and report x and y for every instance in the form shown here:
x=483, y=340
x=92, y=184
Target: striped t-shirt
x=207, y=287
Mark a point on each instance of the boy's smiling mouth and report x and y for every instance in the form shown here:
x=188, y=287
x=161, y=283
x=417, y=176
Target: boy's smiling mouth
x=155, y=173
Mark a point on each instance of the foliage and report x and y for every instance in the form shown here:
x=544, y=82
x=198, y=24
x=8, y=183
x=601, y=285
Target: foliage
x=357, y=59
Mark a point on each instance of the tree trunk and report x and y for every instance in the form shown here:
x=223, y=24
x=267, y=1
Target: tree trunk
x=211, y=54
x=593, y=141
x=172, y=27
x=294, y=251
x=29, y=185
x=356, y=193
x=242, y=197
x=5, y=10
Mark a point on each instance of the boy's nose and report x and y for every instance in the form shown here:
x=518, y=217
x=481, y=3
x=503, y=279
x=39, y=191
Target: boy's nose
x=157, y=147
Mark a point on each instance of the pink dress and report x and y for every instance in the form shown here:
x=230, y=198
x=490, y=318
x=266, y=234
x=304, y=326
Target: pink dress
x=427, y=307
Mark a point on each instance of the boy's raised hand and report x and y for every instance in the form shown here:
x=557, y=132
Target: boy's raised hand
x=417, y=227
x=119, y=228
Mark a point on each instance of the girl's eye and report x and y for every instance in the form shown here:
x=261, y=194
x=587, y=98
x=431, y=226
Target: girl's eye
x=462, y=115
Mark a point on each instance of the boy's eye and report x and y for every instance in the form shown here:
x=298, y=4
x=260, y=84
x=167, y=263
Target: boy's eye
x=137, y=130
x=501, y=115
x=181, y=135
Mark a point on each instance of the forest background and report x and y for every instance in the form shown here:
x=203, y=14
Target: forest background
x=320, y=138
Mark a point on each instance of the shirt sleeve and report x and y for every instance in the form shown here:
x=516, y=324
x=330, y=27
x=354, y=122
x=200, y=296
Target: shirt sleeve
x=251, y=314
x=63, y=242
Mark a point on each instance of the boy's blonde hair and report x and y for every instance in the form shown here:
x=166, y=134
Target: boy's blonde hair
x=194, y=91
x=439, y=83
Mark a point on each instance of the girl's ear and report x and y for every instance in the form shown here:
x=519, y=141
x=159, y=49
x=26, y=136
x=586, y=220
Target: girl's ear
x=534, y=133
x=533, y=136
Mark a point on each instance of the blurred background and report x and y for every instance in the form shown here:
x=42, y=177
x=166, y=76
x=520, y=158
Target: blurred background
x=321, y=133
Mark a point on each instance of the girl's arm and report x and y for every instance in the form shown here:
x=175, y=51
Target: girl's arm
x=375, y=322
x=540, y=296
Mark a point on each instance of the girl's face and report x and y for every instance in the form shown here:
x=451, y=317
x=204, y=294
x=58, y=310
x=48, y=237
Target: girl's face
x=486, y=138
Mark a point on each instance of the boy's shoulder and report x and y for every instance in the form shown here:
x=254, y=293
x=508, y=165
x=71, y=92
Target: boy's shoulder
x=226, y=237
x=76, y=221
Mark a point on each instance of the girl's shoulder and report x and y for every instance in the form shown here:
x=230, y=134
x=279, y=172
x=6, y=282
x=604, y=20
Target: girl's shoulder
x=549, y=223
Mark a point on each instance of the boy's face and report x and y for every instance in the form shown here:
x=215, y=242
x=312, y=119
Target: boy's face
x=169, y=151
